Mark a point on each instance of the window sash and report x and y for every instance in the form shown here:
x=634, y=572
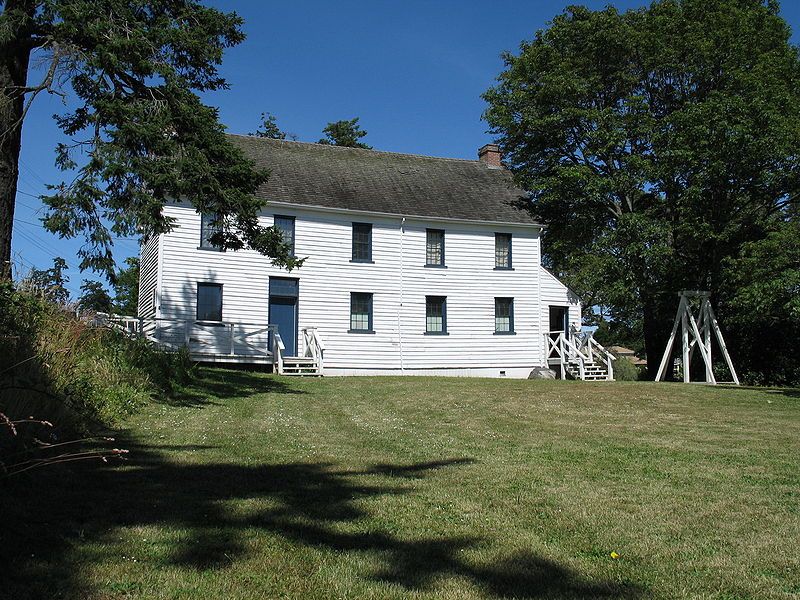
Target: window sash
x=209, y=225
x=504, y=315
x=362, y=241
x=502, y=250
x=286, y=226
x=360, y=311
x=434, y=247
x=209, y=302
x=435, y=314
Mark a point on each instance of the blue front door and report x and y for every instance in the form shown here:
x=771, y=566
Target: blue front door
x=283, y=293
x=283, y=313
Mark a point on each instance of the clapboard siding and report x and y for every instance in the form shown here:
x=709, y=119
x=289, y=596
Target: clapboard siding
x=148, y=278
x=398, y=280
x=555, y=293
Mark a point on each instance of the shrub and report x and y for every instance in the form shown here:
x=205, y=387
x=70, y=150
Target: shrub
x=63, y=371
x=625, y=370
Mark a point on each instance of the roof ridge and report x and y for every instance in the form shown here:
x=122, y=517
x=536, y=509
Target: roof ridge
x=343, y=148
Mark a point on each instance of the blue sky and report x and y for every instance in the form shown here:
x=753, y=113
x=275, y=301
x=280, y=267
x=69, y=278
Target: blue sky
x=412, y=71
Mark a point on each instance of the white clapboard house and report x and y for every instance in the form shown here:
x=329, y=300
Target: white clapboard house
x=416, y=265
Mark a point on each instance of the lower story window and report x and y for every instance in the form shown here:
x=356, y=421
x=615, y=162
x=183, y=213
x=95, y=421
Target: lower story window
x=435, y=314
x=360, y=311
x=504, y=315
x=209, y=302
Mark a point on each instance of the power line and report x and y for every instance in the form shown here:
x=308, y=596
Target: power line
x=32, y=172
x=116, y=239
x=24, y=193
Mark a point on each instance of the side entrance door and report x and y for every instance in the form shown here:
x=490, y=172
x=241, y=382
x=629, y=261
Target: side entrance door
x=283, y=295
x=559, y=321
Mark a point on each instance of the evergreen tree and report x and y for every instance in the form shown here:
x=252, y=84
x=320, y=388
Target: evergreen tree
x=126, y=288
x=94, y=297
x=269, y=128
x=50, y=283
x=344, y=133
x=130, y=71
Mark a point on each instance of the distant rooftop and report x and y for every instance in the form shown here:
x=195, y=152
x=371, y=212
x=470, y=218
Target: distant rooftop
x=384, y=182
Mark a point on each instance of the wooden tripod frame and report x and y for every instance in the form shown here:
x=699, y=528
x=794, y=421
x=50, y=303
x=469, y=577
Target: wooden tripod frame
x=700, y=333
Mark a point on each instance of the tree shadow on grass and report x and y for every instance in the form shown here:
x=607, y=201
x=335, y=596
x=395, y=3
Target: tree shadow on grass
x=224, y=383
x=48, y=521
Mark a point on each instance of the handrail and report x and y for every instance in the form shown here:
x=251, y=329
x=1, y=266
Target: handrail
x=578, y=348
x=314, y=347
x=277, y=356
x=238, y=339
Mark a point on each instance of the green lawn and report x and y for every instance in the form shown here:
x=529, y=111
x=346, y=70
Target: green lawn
x=252, y=486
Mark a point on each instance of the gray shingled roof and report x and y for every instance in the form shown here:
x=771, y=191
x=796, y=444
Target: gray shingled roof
x=384, y=182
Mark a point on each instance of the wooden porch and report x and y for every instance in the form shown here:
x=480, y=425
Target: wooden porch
x=226, y=342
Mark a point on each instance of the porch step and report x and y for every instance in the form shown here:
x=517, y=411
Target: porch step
x=300, y=365
x=590, y=372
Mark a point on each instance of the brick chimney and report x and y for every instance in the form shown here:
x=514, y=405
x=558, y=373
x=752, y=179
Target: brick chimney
x=490, y=156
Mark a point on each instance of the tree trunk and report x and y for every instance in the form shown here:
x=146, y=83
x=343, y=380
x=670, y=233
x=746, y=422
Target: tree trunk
x=14, y=56
x=656, y=327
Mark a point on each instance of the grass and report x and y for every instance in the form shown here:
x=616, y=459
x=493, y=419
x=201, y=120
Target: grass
x=250, y=486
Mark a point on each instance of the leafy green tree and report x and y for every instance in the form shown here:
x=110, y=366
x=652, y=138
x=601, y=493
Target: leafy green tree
x=269, y=128
x=51, y=283
x=94, y=297
x=126, y=288
x=763, y=306
x=344, y=133
x=655, y=143
x=130, y=71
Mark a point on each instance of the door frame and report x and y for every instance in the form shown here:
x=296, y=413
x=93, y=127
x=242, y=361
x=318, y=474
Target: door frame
x=296, y=297
x=564, y=320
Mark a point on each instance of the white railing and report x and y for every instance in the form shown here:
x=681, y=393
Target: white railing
x=278, y=350
x=577, y=351
x=314, y=348
x=218, y=339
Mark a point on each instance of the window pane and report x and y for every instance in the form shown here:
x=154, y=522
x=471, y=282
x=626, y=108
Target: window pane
x=503, y=314
x=434, y=247
x=360, y=312
x=362, y=241
x=209, y=302
x=502, y=250
x=286, y=225
x=209, y=225
x=435, y=316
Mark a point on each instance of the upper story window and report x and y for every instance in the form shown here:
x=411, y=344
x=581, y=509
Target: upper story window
x=434, y=247
x=360, y=312
x=362, y=242
x=504, y=315
x=435, y=314
x=210, y=224
x=502, y=250
x=209, y=302
x=286, y=227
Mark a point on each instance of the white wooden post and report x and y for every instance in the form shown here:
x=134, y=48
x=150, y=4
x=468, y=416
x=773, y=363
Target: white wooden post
x=685, y=347
x=702, y=348
x=706, y=331
x=231, y=326
x=662, y=370
x=722, y=346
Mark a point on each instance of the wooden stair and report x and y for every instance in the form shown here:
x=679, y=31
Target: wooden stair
x=591, y=371
x=301, y=365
